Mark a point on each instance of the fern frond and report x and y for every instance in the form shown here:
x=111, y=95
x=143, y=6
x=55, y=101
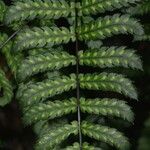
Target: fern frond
x=41, y=9
x=141, y=9
x=110, y=57
x=145, y=37
x=54, y=137
x=109, y=26
x=94, y=44
x=40, y=127
x=53, y=75
x=37, y=51
x=46, y=61
x=85, y=146
x=105, y=134
x=40, y=42
x=75, y=146
x=107, y=107
x=108, y=82
x=49, y=110
x=2, y=10
x=43, y=37
x=7, y=89
x=13, y=61
x=36, y=92
x=89, y=7
x=43, y=50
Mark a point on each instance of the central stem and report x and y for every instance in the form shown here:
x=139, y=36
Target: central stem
x=77, y=79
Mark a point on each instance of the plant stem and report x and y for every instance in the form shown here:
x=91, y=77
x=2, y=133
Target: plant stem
x=77, y=79
x=14, y=34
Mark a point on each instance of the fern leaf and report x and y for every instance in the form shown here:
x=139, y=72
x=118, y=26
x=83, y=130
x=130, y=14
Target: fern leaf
x=46, y=61
x=41, y=127
x=2, y=10
x=36, y=92
x=100, y=6
x=75, y=146
x=110, y=57
x=13, y=61
x=105, y=134
x=141, y=9
x=53, y=75
x=52, y=138
x=49, y=110
x=108, y=82
x=109, y=26
x=37, y=51
x=7, y=89
x=41, y=9
x=43, y=37
x=94, y=44
x=85, y=146
x=43, y=50
x=107, y=107
x=40, y=45
x=145, y=37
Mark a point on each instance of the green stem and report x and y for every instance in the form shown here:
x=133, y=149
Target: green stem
x=14, y=34
x=77, y=79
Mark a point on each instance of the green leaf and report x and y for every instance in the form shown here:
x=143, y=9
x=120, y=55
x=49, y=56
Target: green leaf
x=7, y=89
x=41, y=9
x=49, y=110
x=85, y=146
x=44, y=62
x=108, y=82
x=52, y=138
x=141, y=9
x=110, y=57
x=100, y=6
x=104, y=134
x=108, y=26
x=53, y=75
x=43, y=37
x=39, y=41
x=145, y=37
x=75, y=146
x=2, y=10
x=95, y=44
x=107, y=107
x=42, y=127
x=43, y=50
x=35, y=92
x=13, y=61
